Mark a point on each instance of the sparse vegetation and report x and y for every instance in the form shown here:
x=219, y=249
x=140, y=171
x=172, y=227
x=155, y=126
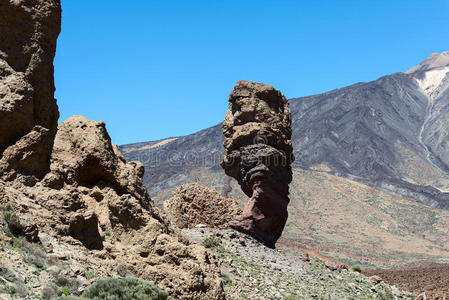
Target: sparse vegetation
x=7, y=274
x=226, y=279
x=211, y=242
x=49, y=291
x=65, y=291
x=129, y=288
x=357, y=268
x=90, y=274
x=34, y=255
x=6, y=212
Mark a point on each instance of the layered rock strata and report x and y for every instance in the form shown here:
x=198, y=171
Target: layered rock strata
x=257, y=131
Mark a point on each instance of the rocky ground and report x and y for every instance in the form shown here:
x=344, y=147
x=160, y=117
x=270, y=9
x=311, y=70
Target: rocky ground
x=253, y=271
x=429, y=279
x=249, y=270
x=43, y=271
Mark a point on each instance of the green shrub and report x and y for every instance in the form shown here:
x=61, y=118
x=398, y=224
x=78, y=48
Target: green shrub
x=65, y=291
x=50, y=291
x=211, y=242
x=357, y=268
x=33, y=254
x=90, y=274
x=129, y=288
x=8, y=274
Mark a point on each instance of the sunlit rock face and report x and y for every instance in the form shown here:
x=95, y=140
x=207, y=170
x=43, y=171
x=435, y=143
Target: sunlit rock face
x=28, y=110
x=257, y=131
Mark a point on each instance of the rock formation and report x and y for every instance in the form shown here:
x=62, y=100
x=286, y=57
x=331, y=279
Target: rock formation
x=257, y=131
x=192, y=204
x=83, y=154
x=92, y=199
x=68, y=185
x=28, y=110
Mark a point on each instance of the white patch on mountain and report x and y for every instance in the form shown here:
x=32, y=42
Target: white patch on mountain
x=434, y=82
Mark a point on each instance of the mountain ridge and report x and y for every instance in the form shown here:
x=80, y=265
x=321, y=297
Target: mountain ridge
x=357, y=131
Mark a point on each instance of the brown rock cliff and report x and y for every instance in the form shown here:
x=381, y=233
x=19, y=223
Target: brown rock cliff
x=68, y=186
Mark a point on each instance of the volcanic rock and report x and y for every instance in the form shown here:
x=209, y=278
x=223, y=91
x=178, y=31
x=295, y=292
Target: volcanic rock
x=193, y=204
x=94, y=199
x=68, y=185
x=28, y=33
x=84, y=227
x=23, y=226
x=84, y=155
x=257, y=131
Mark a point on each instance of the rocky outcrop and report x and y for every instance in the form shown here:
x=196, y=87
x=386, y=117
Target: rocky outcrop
x=93, y=199
x=84, y=155
x=106, y=196
x=257, y=131
x=192, y=204
x=68, y=185
x=27, y=159
x=28, y=110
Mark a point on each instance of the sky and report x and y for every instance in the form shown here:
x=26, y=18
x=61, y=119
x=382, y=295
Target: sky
x=157, y=69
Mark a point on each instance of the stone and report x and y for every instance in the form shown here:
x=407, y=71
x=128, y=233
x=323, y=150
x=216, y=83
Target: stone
x=257, y=130
x=25, y=227
x=84, y=155
x=28, y=33
x=127, y=211
x=330, y=266
x=376, y=279
x=69, y=186
x=193, y=205
x=84, y=227
x=28, y=156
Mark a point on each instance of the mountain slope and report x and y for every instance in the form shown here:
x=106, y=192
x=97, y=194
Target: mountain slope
x=362, y=153
x=391, y=134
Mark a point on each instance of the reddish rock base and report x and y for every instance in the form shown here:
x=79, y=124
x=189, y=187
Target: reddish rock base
x=265, y=214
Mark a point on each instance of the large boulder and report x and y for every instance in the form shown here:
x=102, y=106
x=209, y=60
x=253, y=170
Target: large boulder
x=192, y=204
x=28, y=33
x=84, y=155
x=257, y=131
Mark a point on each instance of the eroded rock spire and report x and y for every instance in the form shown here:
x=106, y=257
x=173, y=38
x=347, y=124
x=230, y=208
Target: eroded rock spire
x=257, y=131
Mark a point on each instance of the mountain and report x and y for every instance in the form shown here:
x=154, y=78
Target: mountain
x=371, y=168
x=391, y=133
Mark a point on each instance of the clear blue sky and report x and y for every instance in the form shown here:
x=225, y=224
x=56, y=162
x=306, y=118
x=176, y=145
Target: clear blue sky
x=154, y=69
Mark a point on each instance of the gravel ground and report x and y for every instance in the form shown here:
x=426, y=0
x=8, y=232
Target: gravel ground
x=430, y=279
x=252, y=271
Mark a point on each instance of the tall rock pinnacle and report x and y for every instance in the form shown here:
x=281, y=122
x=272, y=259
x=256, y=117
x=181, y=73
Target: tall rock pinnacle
x=257, y=131
x=28, y=110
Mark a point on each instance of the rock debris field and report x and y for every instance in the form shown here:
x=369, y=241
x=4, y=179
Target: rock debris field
x=253, y=271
